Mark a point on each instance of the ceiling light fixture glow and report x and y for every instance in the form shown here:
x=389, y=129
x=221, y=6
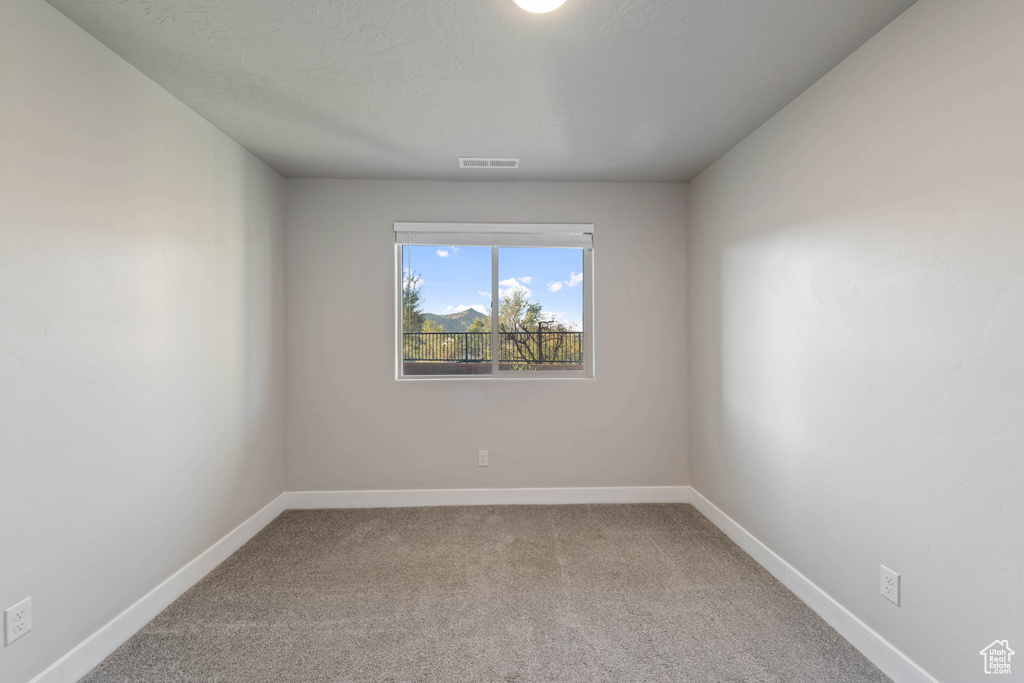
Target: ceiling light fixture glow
x=540, y=6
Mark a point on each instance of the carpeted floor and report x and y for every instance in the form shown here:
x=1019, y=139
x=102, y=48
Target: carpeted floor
x=579, y=593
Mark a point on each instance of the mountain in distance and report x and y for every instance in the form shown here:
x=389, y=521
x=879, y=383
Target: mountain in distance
x=455, y=322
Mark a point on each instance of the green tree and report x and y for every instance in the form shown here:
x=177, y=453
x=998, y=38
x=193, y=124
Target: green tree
x=412, y=309
x=480, y=325
x=412, y=315
x=516, y=313
x=526, y=337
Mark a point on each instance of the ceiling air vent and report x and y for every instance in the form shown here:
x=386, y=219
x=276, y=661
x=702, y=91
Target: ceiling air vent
x=488, y=162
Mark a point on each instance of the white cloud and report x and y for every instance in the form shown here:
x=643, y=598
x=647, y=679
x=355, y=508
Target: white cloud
x=506, y=287
x=564, y=319
x=574, y=279
x=526, y=280
x=442, y=253
x=483, y=293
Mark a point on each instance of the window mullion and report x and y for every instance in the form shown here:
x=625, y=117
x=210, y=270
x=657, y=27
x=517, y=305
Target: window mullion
x=588, y=309
x=495, y=340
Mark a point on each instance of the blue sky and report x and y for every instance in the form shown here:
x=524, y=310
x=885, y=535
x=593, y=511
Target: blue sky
x=457, y=278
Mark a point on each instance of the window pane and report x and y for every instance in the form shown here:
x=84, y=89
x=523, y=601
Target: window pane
x=446, y=305
x=540, y=319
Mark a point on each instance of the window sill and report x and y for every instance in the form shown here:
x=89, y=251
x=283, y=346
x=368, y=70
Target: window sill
x=527, y=377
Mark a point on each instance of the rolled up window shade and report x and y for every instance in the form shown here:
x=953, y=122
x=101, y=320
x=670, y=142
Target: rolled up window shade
x=496, y=235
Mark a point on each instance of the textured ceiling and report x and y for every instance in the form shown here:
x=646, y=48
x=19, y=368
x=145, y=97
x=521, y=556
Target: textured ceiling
x=598, y=90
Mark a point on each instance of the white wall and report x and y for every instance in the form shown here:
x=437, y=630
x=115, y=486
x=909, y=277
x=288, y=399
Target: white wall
x=857, y=308
x=352, y=426
x=141, y=333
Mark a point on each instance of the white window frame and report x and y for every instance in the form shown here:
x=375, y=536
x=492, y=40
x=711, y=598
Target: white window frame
x=496, y=235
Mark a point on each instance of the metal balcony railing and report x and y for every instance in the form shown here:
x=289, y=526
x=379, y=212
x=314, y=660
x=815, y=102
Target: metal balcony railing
x=535, y=348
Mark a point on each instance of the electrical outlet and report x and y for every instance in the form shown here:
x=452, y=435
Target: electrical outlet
x=17, y=621
x=482, y=460
x=890, y=585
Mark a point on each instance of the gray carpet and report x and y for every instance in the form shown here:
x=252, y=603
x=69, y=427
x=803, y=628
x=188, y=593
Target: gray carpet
x=579, y=593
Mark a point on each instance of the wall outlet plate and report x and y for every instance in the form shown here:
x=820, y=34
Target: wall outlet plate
x=482, y=459
x=17, y=621
x=890, y=585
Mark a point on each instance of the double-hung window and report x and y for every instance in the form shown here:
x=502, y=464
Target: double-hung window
x=490, y=300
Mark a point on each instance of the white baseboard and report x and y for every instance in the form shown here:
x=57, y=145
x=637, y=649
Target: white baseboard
x=881, y=652
x=94, y=649
x=311, y=500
